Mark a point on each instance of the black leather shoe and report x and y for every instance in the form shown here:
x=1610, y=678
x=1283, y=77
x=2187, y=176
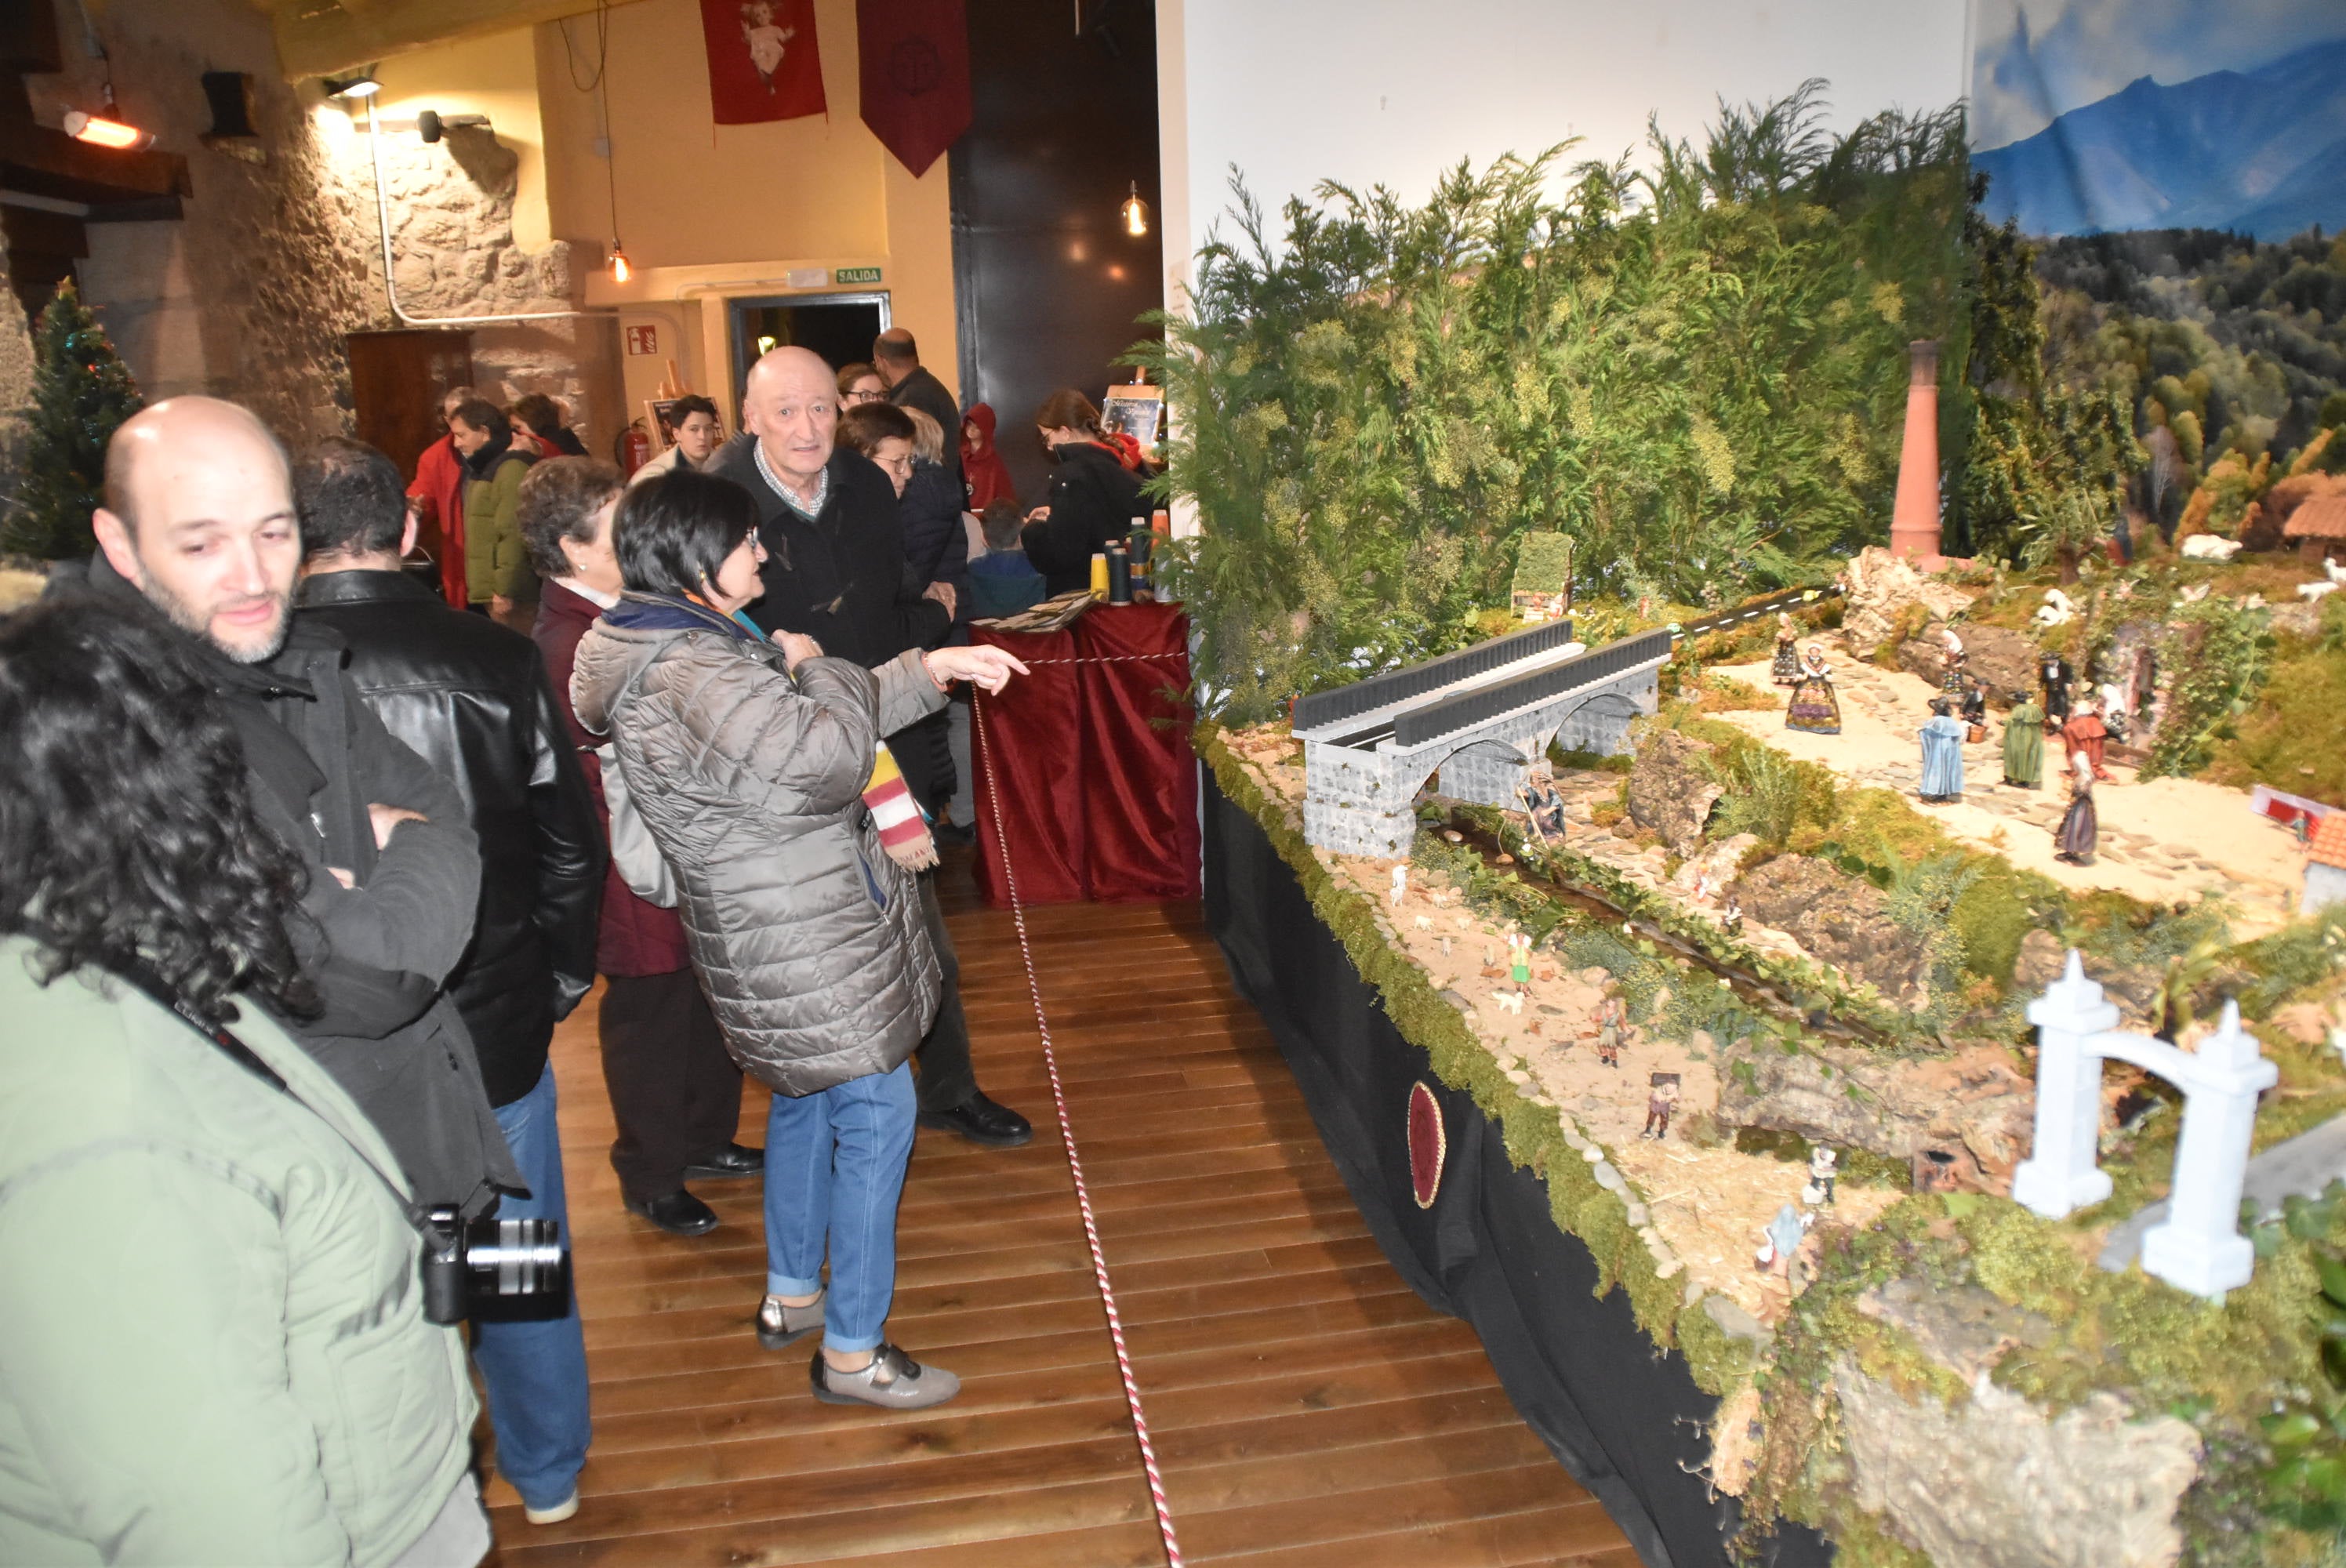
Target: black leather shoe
x=980, y=1121
x=728, y=1163
x=677, y=1212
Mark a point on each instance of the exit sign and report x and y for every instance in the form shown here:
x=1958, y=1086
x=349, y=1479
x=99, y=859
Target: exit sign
x=855, y=275
x=643, y=340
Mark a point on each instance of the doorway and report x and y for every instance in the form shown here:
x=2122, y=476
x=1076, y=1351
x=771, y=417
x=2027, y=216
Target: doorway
x=397, y=380
x=838, y=327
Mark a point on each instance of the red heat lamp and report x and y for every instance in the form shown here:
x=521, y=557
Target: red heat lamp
x=112, y=133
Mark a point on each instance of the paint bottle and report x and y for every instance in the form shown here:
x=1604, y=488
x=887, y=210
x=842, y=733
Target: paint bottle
x=1099, y=574
x=1119, y=576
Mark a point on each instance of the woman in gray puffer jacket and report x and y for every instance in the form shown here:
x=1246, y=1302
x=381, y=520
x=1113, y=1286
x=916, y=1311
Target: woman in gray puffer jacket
x=748, y=761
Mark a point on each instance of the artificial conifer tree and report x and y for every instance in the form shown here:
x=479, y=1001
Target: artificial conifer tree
x=81, y=391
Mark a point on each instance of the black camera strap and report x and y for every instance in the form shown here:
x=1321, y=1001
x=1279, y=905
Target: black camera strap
x=245, y=1056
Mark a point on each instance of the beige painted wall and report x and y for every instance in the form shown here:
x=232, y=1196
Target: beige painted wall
x=708, y=211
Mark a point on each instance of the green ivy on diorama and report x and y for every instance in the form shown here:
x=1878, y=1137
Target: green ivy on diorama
x=2215, y=651
x=1698, y=373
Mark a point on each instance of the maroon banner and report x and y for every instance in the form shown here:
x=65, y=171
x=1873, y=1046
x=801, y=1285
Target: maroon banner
x=1090, y=755
x=764, y=64
x=914, y=72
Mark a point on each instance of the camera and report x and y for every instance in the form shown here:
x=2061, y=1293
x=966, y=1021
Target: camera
x=491, y=1267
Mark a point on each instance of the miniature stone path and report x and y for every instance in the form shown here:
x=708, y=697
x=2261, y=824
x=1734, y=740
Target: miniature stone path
x=2164, y=841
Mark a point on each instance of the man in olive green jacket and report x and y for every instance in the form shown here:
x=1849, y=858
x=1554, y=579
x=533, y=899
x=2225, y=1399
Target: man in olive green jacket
x=497, y=562
x=214, y=1347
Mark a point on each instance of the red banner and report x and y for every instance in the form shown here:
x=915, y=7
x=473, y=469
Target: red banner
x=763, y=60
x=915, y=76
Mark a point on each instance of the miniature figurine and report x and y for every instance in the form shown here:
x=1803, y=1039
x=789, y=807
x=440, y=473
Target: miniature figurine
x=1542, y=803
x=2053, y=671
x=1823, y=1172
x=1611, y=1015
x=1519, y=957
x=1702, y=884
x=1943, y=755
x=1780, y=1239
x=1509, y=1002
x=2023, y=743
x=1426, y=922
x=1974, y=712
x=1951, y=647
x=2079, y=833
x=1731, y=921
x=1400, y=886
x=2085, y=732
x=1661, y=1099
x=1814, y=709
x=1445, y=944
x=1787, y=668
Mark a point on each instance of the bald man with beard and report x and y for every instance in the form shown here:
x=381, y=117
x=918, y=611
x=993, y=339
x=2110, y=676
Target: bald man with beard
x=199, y=527
x=834, y=571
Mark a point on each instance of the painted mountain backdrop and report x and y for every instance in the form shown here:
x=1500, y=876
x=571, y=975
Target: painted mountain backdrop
x=2259, y=152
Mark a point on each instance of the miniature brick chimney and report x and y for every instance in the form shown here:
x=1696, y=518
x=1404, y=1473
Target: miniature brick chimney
x=1914, y=525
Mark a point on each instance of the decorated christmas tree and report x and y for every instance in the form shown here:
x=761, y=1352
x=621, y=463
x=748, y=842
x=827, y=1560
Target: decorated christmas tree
x=81, y=391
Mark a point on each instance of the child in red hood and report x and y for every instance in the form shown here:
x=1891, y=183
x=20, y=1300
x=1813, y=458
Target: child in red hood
x=983, y=470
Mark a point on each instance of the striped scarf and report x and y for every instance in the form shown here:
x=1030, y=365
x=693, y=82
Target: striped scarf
x=904, y=831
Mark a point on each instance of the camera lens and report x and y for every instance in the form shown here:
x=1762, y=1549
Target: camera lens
x=517, y=1257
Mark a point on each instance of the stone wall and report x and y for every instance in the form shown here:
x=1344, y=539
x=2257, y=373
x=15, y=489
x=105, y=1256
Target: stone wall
x=247, y=297
x=279, y=255
x=451, y=207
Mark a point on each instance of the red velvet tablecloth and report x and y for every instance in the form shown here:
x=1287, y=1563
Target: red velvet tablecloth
x=1090, y=756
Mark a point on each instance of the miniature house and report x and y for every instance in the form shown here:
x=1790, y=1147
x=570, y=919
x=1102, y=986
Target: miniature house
x=2325, y=865
x=2318, y=528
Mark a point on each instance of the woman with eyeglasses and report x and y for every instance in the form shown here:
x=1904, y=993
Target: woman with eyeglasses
x=753, y=766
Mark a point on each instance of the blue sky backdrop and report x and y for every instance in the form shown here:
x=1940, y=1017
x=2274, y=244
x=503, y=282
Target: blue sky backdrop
x=2035, y=59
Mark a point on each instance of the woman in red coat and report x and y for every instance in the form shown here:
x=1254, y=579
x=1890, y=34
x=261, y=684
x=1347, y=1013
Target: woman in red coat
x=982, y=472
x=675, y=1091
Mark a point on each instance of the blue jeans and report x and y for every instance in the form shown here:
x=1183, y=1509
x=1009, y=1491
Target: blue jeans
x=536, y=1372
x=834, y=1169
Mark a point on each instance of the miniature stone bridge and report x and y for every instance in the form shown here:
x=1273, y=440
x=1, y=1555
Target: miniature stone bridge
x=1480, y=718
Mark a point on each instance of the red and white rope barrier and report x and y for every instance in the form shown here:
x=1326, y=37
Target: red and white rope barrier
x=1068, y=1133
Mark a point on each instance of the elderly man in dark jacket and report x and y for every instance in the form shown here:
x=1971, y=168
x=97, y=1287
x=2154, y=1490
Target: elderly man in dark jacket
x=472, y=698
x=200, y=523
x=834, y=571
x=912, y=384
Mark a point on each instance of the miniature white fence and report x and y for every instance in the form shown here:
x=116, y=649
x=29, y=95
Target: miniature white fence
x=2200, y=1248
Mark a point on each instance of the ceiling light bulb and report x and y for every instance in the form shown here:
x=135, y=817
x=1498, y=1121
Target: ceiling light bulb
x=1136, y=213
x=620, y=270
x=364, y=85
x=99, y=131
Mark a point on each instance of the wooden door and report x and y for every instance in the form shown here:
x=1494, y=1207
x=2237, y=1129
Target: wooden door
x=397, y=380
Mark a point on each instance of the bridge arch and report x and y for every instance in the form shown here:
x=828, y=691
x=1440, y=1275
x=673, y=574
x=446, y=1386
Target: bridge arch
x=1601, y=724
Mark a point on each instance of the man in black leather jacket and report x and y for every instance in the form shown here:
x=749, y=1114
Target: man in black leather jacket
x=470, y=696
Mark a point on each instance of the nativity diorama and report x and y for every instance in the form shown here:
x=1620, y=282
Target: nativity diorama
x=1882, y=862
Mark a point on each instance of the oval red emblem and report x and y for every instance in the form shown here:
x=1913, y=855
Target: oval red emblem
x=1428, y=1144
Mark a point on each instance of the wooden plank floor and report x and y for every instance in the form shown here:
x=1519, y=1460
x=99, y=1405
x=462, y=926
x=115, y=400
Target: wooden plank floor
x=1306, y=1407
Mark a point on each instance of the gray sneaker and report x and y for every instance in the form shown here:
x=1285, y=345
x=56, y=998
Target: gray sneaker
x=779, y=1325
x=893, y=1381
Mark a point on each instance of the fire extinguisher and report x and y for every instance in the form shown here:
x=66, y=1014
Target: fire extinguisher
x=635, y=448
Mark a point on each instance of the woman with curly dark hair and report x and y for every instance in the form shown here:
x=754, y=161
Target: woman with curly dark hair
x=215, y=1345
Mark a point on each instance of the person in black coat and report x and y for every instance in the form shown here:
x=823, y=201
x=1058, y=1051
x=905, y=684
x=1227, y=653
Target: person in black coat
x=471, y=698
x=1094, y=501
x=911, y=385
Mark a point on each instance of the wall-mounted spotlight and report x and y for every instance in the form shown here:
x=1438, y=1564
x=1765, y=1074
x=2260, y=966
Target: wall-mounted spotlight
x=361, y=83
x=1136, y=213
x=432, y=125
x=99, y=131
